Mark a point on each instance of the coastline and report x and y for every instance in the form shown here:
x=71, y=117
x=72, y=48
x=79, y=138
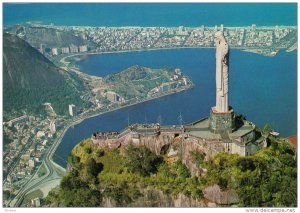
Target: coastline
x=62, y=60
x=81, y=119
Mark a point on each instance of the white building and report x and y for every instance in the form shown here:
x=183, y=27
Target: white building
x=52, y=127
x=184, y=81
x=36, y=202
x=65, y=50
x=31, y=163
x=72, y=110
x=40, y=134
x=73, y=49
x=222, y=28
x=178, y=72
x=19, y=120
x=42, y=48
x=83, y=48
x=54, y=51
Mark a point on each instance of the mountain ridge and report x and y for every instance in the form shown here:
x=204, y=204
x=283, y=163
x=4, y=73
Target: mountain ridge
x=30, y=79
x=19, y=57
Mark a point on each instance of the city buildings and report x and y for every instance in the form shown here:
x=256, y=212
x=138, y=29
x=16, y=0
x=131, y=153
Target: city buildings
x=65, y=50
x=101, y=39
x=73, y=49
x=83, y=48
x=20, y=120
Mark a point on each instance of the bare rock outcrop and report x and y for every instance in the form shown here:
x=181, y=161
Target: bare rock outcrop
x=154, y=143
x=184, y=201
x=216, y=195
x=156, y=198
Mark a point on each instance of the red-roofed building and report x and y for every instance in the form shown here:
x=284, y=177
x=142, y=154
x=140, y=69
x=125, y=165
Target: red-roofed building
x=293, y=141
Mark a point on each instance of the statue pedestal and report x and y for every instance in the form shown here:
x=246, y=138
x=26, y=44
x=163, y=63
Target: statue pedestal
x=221, y=121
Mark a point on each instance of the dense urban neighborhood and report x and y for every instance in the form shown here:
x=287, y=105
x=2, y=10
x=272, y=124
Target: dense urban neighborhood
x=264, y=40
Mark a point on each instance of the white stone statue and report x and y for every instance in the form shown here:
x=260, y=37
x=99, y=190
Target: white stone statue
x=222, y=61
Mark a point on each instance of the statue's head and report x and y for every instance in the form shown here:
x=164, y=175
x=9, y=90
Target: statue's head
x=219, y=37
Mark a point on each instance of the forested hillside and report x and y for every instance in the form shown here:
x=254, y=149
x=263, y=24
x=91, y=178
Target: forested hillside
x=30, y=79
x=125, y=176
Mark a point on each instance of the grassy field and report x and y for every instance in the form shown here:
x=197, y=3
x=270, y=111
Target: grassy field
x=42, y=171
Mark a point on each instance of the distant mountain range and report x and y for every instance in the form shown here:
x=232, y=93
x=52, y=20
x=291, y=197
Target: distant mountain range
x=30, y=79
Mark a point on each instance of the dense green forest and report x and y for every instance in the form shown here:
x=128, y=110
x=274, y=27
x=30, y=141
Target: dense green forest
x=16, y=101
x=267, y=179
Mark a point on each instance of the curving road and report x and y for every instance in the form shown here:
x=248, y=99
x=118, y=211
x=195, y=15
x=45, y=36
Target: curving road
x=52, y=173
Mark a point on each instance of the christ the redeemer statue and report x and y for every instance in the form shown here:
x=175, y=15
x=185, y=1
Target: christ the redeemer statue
x=222, y=62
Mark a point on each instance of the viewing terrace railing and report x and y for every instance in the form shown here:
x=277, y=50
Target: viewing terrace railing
x=171, y=128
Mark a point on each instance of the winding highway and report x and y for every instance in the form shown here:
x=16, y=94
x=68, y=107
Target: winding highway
x=51, y=174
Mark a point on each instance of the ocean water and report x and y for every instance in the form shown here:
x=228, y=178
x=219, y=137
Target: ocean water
x=152, y=14
x=264, y=89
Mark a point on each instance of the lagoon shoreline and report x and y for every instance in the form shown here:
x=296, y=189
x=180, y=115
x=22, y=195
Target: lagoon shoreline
x=62, y=60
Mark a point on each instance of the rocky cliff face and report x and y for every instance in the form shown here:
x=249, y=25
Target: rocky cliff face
x=226, y=197
x=183, y=149
x=154, y=143
x=155, y=198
